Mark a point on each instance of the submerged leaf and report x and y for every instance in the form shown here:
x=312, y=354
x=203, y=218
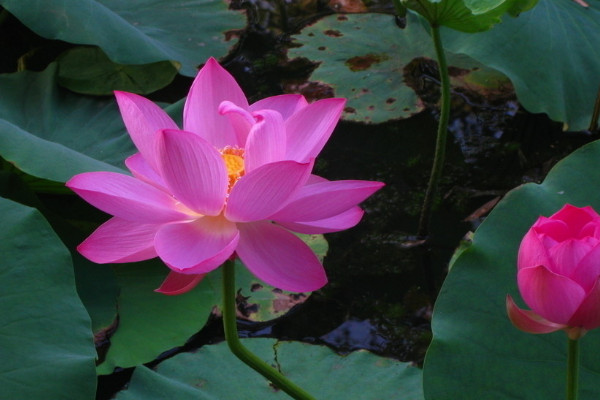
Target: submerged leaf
x=88, y=70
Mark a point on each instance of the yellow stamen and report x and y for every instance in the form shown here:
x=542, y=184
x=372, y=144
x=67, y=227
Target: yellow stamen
x=234, y=162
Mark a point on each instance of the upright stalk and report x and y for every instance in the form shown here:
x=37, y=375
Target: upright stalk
x=442, y=133
x=241, y=352
x=572, y=369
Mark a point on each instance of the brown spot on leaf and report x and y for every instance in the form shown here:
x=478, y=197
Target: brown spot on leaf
x=390, y=100
x=371, y=108
x=283, y=302
x=342, y=18
x=333, y=33
x=350, y=110
x=321, y=48
x=255, y=287
x=361, y=63
x=311, y=90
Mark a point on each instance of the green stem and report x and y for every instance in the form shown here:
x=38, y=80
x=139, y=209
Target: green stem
x=241, y=352
x=572, y=369
x=442, y=133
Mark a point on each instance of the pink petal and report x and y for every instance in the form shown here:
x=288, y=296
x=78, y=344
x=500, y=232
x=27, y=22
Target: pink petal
x=340, y=222
x=566, y=256
x=285, y=104
x=120, y=241
x=309, y=129
x=592, y=229
x=528, y=321
x=177, y=283
x=576, y=218
x=588, y=269
x=143, y=119
x=196, y=247
x=201, y=115
x=557, y=231
x=553, y=297
x=142, y=171
x=325, y=200
x=588, y=313
x=279, y=258
x=266, y=141
x=240, y=118
x=315, y=179
x=261, y=192
x=126, y=197
x=532, y=251
x=194, y=171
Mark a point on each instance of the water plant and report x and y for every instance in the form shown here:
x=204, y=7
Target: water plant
x=212, y=209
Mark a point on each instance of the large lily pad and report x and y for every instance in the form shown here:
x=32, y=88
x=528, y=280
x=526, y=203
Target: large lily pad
x=476, y=353
x=362, y=57
x=214, y=372
x=53, y=134
x=46, y=344
x=136, y=32
x=551, y=55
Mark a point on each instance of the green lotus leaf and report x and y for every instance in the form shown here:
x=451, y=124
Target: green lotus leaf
x=46, y=343
x=53, y=134
x=467, y=15
x=560, y=34
x=213, y=372
x=88, y=70
x=136, y=32
x=476, y=352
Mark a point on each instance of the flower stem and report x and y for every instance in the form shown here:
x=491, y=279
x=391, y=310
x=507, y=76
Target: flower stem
x=442, y=132
x=572, y=369
x=241, y=352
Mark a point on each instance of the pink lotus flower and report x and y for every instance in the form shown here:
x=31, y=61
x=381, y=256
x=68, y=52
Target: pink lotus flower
x=558, y=273
x=234, y=182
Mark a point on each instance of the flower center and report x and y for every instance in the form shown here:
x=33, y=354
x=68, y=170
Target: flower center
x=234, y=162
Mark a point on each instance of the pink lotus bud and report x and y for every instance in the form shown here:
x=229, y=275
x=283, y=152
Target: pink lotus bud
x=558, y=270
